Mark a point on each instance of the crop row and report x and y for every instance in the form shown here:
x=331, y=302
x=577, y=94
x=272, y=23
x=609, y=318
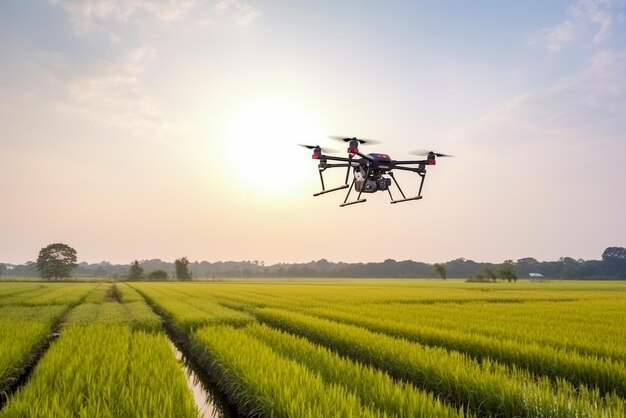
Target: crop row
x=605, y=374
x=270, y=373
x=136, y=314
x=486, y=388
x=48, y=294
x=22, y=330
x=105, y=370
x=587, y=327
x=374, y=388
x=193, y=313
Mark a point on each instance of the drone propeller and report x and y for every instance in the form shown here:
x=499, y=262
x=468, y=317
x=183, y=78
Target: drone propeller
x=424, y=153
x=326, y=150
x=361, y=140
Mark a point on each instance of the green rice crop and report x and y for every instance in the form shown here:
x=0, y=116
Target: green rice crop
x=50, y=294
x=605, y=374
x=137, y=314
x=373, y=387
x=262, y=383
x=128, y=294
x=22, y=329
x=485, y=388
x=105, y=370
x=192, y=313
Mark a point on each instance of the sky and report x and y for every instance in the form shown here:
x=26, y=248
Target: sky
x=141, y=129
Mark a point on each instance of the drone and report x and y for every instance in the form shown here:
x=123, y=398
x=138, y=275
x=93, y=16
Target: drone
x=371, y=172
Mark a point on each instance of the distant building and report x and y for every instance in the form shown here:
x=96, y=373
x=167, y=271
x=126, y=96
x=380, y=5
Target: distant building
x=536, y=277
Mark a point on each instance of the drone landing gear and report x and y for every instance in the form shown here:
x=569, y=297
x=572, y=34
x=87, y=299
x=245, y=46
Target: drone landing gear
x=343, y=186
x=353, y=203
x=404, y=198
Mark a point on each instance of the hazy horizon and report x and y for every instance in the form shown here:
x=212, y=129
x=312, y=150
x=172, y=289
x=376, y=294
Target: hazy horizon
x=145, y=129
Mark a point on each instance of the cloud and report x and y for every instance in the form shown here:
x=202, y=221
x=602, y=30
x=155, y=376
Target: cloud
x=112, y=92
x=86, y=15
x=240, y=13
x=586, y=19
x=576, y=111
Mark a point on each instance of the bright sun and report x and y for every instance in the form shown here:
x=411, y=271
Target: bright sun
x=263, y=138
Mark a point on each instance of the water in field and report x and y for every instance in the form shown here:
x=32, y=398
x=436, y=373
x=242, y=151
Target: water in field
x=208, y=406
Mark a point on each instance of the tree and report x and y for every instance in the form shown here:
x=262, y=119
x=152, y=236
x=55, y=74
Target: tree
x=614, y=260
x=135, y=272
x=181, y=266
x=158, y=274
x=489, y=274
x=441, y=270
x=507, y=271
x=56, y=261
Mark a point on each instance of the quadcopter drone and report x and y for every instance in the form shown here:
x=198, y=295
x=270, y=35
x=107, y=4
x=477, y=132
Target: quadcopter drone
x=371, y=172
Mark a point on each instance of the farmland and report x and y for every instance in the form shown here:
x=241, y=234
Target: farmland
x=314, y=348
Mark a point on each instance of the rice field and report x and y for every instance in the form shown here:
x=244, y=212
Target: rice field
x=340, y=348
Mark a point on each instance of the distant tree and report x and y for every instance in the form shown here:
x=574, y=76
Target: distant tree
x=507, y=271
x=489, y=274
x=56, y=261
x=614, y=260
x=441, y=270
x=181, y=266
x=135, y=272
x=158, y=274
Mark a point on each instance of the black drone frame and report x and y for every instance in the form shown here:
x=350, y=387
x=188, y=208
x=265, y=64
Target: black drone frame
x=374, y=164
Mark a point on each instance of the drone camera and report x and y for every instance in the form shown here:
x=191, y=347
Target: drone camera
x=372, y=185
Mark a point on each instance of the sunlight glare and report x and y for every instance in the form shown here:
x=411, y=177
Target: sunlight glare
x=263, y=138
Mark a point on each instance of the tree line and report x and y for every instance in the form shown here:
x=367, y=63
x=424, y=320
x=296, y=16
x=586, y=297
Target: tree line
x=611, y=266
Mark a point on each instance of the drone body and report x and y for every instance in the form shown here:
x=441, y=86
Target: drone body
x=370, y=172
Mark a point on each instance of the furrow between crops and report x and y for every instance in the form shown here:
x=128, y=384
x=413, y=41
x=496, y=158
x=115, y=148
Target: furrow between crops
x=213, y=403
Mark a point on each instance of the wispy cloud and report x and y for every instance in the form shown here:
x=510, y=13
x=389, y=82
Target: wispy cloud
x=87, y=15
x=579, y=110
x=586, y=19
x=239, y=12
x=112, y=92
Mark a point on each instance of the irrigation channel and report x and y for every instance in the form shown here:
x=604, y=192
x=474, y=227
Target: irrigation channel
x=211, y=403
x=208, y=407
x=209, y=400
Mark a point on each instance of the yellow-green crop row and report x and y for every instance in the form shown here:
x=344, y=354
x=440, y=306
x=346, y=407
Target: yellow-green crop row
x=105, y=370
x=262, y=383
x=605, y=374
x=374, y=388
x=127, y=293
x=587, y=327
x=485, y=388
x=49, y=294
x=192, y=313
x=138, y=315
x=22, y=329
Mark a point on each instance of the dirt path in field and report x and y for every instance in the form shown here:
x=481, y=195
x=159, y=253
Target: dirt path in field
x=113, y=295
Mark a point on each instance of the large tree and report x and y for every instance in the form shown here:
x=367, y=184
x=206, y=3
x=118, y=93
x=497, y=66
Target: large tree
x=182, y=269
x=135, y=272
x=441, y=270
x=56, y=261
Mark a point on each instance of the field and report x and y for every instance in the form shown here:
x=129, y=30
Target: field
x=341, y=348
